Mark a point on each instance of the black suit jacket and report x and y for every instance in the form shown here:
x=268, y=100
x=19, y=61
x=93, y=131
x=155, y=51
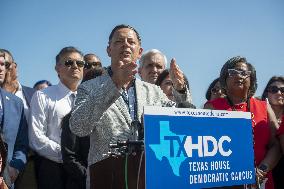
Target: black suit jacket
x=75, y=152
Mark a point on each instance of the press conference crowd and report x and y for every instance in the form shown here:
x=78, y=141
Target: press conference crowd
x=59, y=136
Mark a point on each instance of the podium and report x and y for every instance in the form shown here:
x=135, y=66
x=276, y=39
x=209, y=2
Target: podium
x=119, y=172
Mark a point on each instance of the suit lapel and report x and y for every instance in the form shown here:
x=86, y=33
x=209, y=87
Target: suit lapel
x=139, y=99
x=120, y=104
x=28, y=93
x=5, y=100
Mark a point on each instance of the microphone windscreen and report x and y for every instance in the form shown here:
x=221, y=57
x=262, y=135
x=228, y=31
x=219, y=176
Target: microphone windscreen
x=185, y=105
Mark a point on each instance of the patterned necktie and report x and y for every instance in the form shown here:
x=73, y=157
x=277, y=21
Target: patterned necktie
x=72, y=99
x=125, y=97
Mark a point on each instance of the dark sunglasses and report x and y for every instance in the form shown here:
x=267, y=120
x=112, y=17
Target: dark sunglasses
x=6, y=63
x=235, y=72
x=92, y=65
x=70, y=63
x=275, y=89
x=216, y=90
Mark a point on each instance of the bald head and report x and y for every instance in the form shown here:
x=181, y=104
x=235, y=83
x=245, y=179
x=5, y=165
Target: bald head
x=92, y=61
x=152, y=63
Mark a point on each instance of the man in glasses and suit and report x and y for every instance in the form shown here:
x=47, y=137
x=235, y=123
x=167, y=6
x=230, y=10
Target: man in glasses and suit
x=107, y=107
x=48, y=107
x=13, y=127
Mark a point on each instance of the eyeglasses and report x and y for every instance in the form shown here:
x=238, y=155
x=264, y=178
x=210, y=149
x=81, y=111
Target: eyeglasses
x=79, y=63
x=234, y=72
x=216, y=90
x=92, y=65
x=4, y=62
x=275, y=89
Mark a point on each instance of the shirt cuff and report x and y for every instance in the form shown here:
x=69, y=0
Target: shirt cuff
x=17, y=164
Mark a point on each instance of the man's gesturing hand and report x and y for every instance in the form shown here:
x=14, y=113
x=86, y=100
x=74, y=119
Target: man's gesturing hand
x=177, y=76
x=123, y=73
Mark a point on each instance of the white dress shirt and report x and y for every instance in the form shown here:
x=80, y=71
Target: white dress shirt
x=47, y=109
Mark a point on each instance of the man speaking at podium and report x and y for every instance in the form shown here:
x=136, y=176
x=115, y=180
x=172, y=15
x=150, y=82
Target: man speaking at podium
x=106, y=108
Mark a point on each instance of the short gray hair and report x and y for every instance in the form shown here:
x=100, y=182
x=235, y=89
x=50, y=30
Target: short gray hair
x=152, y=52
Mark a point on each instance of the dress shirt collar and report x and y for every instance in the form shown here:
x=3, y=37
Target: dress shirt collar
x=65, y=90
x=20, y=88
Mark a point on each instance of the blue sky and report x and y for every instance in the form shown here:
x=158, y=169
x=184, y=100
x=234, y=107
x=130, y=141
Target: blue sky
x=201, y=34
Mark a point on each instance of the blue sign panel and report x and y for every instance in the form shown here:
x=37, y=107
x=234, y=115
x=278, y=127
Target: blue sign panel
x=196, y=148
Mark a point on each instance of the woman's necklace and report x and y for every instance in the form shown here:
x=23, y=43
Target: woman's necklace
x=247, y=109
x=279, y=113
x=230, y=102
x=279, y=120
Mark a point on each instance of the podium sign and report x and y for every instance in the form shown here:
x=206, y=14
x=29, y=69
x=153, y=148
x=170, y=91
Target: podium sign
x=197, y=148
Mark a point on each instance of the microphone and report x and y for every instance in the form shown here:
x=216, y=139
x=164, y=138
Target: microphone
x=186, y=105
x=137, y=129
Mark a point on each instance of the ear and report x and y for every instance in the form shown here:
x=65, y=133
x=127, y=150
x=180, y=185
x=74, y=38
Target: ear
x=140, y=52
x=108, y=51
x=15, y=67
x=56, y=67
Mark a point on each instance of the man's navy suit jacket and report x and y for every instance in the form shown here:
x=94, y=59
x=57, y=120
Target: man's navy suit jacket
x=14, y=129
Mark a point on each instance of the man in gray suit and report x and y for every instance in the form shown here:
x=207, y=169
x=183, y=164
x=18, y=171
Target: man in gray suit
x=106, y=107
